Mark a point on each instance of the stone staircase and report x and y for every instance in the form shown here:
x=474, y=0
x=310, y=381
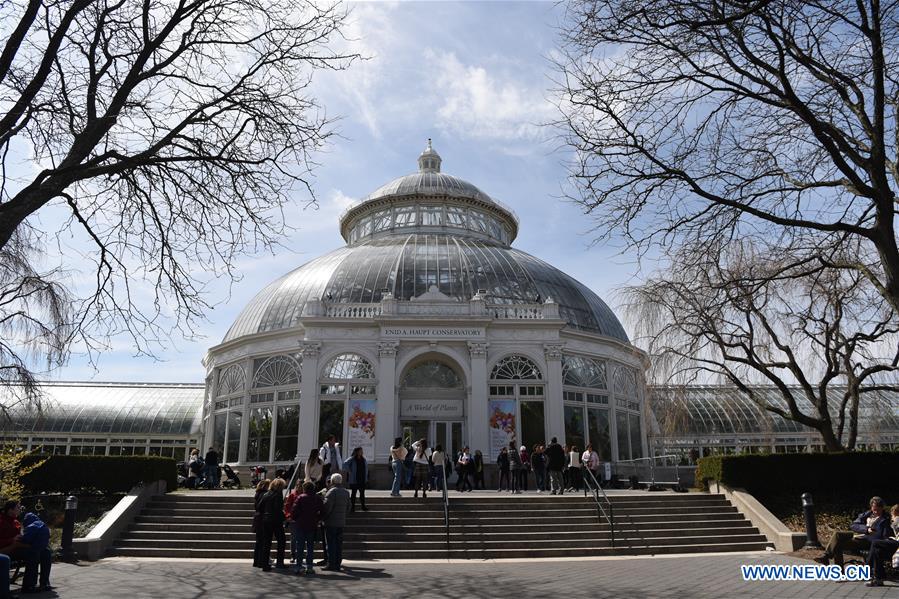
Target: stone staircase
x=481, y=527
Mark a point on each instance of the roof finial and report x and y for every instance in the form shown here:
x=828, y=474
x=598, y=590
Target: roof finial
x=429, y=160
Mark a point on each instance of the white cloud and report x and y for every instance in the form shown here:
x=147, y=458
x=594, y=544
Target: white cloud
x=476, y=103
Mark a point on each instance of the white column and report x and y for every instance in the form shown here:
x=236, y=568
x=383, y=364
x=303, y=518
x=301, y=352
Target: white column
x=386, y=419
x=308, y=435
x=554, y=408
x=478, y=415
x=245, y=411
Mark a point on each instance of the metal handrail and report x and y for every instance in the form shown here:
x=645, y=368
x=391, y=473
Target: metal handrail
x=296, y=470
x=601, y=512
x=445, y=508
x=652, y=473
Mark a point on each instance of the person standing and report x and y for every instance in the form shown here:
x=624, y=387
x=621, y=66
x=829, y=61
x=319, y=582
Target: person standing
x=305, y=515
x=555, y=461
x=464, y=468
x=591, y=463
x=421, y=453
x=272, y=508
x=397, y=459
x=574, y=468
x=515, y=466
x=288, y=510
x=502, y=461
x=330, y=457
x=356, y=468
x=313, y=470
x=212, y=468
x=438, y=458
x=334, y=512
x=195, y=468
x=261, y=490
x=538, y=465
x=525, y=467
x=478, y=468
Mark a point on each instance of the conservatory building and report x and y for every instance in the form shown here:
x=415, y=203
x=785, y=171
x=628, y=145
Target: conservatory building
x=427, y=324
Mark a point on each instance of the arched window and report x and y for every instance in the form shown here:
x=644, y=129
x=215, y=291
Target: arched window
x=624, y=381
x=432, y=373
x=347, y=382
x=516, y=368
x=579, y=371
x=231, y=380
x=348, y=367
x=277, y=371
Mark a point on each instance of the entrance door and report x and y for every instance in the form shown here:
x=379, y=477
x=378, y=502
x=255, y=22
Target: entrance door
x=449, y=435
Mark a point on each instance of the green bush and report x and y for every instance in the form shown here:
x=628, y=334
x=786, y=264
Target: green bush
x=108, y=474
x=843, y=481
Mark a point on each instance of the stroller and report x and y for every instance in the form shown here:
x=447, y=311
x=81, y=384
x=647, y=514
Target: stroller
x=232, y=482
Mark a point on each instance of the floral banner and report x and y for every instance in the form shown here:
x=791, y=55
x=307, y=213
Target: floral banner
x=361, y=426
x=502, y=425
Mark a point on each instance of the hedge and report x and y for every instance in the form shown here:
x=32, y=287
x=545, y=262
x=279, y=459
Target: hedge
x=837, y=478
x=65, y=473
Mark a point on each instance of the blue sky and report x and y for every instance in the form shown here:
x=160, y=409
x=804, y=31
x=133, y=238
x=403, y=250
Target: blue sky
x=475, y=77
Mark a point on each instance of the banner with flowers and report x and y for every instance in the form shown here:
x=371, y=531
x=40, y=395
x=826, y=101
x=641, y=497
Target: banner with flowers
x=361, y=424
x=502, y=425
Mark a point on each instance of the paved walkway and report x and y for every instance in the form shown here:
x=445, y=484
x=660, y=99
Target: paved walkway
x=716, y=575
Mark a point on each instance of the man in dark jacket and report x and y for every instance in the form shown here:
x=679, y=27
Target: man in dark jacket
x=305, y=514
x=555, y=462
x=870, y=526
x=212, y=468
x=334, y=511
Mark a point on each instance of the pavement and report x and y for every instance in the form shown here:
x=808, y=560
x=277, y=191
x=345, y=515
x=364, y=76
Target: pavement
x=685, y=576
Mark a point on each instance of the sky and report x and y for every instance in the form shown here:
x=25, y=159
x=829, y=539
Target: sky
x=475, y=77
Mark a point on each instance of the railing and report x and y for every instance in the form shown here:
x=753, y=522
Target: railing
x=601, y=512
x=513, y=312
x=445, y=508
x=635, y=463
x=338, y=310
x=298, y=468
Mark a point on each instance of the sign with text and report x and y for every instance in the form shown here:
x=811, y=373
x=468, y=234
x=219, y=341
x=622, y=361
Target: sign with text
x=362, y=427
x=502, y=425
x=432, y=408
x=413, y=332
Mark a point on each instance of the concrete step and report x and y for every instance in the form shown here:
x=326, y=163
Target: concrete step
x=407, y=552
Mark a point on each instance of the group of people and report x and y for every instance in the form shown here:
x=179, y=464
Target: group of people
x=556, y=469
x=873, y=530
x=27, y=541
x=310, y=515
x=203, y=472
x=314, y=510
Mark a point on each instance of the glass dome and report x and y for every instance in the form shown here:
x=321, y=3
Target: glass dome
x=418, y=231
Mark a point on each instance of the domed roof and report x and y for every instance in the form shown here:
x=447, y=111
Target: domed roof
x=408, y=265
x=429, y=183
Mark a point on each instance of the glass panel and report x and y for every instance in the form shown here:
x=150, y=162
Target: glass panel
x=574, y=426
x=532, y=423
x=624, y=452
x=432, y=374
x=348, y=366
x=404, y=217
x=455, y=216
x=259, y=435
x=234, y=421
x=456, y=430
x=600, y=435
x=431, y=216
x=413, y=430
x=516, y=368
x=441, y=437
x=231, y=380
x=636, y=443
x=330, y=421
x=276, y=371
x=219, y=423
x=287, y=431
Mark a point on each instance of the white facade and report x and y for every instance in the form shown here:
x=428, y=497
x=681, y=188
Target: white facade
x=427, y=324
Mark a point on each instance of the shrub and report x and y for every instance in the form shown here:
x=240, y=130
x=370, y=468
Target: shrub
x=842, y=480
x=15, y=465
x=66, y=473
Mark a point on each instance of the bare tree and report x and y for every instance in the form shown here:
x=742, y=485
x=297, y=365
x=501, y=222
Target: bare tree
x=171, y=134
x=823, y=341
x=699, y=121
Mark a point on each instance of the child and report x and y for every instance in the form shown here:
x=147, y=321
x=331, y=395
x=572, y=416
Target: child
x=36, y=535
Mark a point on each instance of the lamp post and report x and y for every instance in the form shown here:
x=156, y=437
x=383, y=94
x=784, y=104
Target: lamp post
x=811, y=528
x=68, y=529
